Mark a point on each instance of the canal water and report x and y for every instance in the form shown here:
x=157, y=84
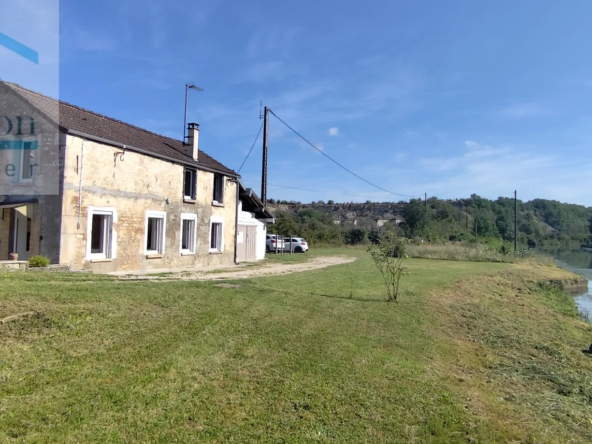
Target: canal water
x=579, y=262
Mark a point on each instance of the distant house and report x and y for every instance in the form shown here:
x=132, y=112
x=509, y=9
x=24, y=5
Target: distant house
x=381, y=222
x=125, y=199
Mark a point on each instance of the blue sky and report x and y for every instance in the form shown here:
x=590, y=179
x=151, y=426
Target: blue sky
x=449, y=98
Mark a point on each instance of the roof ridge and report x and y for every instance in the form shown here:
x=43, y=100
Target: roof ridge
x=89, y=111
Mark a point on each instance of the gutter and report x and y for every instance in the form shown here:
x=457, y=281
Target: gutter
x=148, y=153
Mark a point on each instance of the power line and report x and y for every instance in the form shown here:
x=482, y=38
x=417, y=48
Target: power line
x=316, y=191
x=252, y=146
x=335, y=162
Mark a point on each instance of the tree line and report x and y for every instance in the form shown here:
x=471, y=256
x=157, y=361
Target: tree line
x=543, y=224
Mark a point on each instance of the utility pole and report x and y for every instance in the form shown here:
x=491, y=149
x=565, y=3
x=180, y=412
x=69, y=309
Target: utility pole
x=188, y=86
x=264, y=166
x=515, y=220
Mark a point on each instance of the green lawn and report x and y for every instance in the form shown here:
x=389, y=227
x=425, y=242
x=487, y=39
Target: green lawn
x=308, y=357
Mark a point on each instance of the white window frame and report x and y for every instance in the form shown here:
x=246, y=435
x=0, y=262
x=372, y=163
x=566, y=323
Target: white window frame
x=106, y=211
x=158, y=215
x=193, y=217
x=22, y=150
x=216, y=220
x=222, y=186
x=193, y=183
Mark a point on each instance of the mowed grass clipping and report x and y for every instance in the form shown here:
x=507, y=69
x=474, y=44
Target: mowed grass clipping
x=307, y=357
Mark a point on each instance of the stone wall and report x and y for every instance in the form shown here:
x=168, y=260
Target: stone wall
x=133, y=185
x=14, y=266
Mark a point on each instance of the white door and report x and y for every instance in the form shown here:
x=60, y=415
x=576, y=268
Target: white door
x=20, y=236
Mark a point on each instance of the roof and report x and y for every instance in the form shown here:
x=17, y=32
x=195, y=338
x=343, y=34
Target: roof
x=16, y=201
x=73, y=118
x=252, y=202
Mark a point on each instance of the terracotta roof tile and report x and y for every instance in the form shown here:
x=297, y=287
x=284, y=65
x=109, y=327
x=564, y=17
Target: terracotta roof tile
x=74, y=118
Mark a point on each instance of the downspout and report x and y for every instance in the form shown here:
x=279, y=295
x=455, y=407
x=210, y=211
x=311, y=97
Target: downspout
x=80, y=184
x=236, y=223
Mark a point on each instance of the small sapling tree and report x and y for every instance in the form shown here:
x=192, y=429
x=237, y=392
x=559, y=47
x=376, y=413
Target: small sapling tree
x=388, y=255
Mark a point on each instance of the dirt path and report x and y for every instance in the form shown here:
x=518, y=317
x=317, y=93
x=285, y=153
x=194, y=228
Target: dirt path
x=245, y=272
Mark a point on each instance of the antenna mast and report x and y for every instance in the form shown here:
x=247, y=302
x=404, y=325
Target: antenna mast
x=188, y=86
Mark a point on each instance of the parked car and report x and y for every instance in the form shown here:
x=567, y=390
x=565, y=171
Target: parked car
x=271, y=241
x=299, y=245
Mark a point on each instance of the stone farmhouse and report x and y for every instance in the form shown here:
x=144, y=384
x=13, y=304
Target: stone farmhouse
x=95, y=193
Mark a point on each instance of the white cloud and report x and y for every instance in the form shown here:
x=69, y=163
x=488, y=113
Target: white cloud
x=334, y=131
x=471, y=144
x=522, y=110
x=497, y=171
x=320, y=146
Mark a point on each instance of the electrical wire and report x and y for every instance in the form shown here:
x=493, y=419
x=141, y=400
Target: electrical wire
x=272, y=185
x=335, y=162
x=252, y=146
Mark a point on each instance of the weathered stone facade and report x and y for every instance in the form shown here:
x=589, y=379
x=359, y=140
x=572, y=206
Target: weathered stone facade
x=102, y=176
x=133, y=185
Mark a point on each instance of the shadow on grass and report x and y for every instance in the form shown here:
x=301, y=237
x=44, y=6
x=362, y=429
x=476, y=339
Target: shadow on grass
x=312, y=293
x=347, y=298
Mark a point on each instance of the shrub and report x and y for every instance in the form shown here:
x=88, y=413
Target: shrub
x=388, y=256
x=38, y=261
x=356, y=236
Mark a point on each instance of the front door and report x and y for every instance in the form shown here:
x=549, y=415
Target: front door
x=241, y=243
x=251, y=253
x=21, y=236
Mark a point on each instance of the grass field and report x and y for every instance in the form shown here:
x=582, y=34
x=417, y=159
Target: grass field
x=472, y=352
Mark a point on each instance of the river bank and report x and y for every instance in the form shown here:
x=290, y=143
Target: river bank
x=580, y=263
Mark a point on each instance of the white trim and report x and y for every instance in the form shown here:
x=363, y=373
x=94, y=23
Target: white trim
x=22, y=161
x=222, y=189
x=157, y=215
x=193, y=217
x=216, y=220
x=193, y=185
x=107, y=211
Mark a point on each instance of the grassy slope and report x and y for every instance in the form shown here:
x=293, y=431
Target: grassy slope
x=471, y=352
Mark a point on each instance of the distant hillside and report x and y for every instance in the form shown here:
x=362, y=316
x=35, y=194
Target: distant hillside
x=545, y=223
x=379, y=213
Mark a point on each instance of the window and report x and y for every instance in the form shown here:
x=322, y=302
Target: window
x=216, y=234
x=189, y=181
x=188, y=233
x=28, y=161
x=28, y=234
x=100, y=236
x=218, y=188
x=155, y=232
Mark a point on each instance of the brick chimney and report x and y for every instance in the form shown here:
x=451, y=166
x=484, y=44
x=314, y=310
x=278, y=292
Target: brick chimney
x=192, y=146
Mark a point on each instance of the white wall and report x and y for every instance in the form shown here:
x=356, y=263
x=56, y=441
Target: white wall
x=245, y=218
x=261, y=240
